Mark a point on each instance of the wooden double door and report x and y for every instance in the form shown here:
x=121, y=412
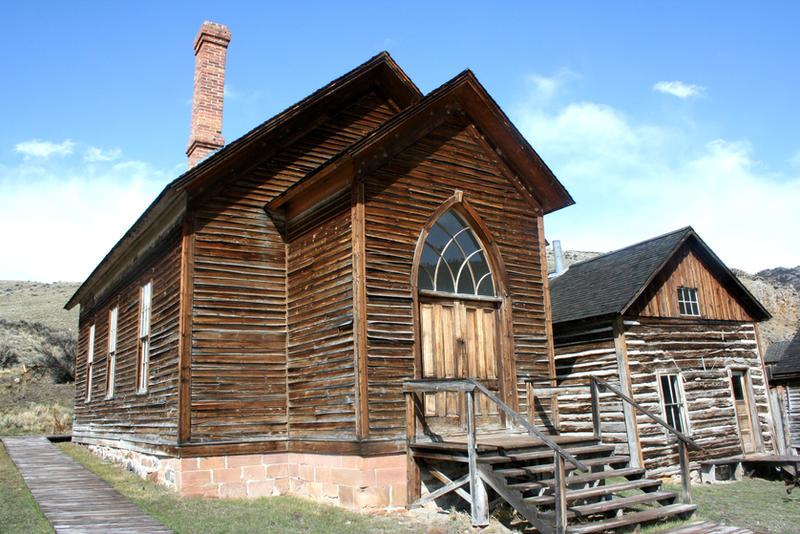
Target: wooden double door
x=460, y=339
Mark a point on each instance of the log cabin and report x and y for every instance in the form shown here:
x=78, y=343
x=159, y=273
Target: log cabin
x=673, y=328
x=335, y=305
x=784, y=383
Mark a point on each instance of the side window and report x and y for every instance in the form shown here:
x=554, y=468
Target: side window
x=111, y=361
x=672, y=402
x=687, y=301
x=145, y=297
x=90, y=364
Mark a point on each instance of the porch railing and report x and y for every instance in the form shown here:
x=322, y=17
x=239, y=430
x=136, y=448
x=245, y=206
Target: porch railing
x=684, y=441
x=477, y=497
x=596, y=385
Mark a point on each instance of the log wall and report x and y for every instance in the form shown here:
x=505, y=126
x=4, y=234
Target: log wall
x=581, y=352
x=702, y=352
x=151, y=417
x=239, y=330
x=399, y=198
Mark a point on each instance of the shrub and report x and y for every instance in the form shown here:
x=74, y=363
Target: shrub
x=58, y=357
x=8, y=355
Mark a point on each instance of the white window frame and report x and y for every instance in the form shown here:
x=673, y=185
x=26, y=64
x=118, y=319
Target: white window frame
x=688, y=304
x=680, y=402
x=111, y=362
x=90, y=364
x=143, y=368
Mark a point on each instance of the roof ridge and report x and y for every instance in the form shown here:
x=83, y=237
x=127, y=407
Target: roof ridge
x=623, y=249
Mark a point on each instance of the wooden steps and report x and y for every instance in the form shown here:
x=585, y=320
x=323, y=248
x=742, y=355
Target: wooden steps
x=628, y=472
x=548, y=467
x=598, y=491
x=524, y=476
x=636, y=518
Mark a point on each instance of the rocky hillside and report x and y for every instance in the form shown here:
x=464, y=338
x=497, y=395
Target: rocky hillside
x=783, y=275
x=781, y=299
x=777, y=289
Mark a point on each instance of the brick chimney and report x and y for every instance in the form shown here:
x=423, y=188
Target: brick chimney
x=210, y=47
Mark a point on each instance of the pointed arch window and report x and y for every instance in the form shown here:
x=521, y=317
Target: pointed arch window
x=453, y=260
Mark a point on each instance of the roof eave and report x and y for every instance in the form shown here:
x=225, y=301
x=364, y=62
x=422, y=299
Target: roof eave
x=381, y=66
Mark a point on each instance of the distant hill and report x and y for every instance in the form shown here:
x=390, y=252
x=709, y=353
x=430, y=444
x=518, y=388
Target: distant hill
x=35, y=329
x=37, y=357
x=38, y=302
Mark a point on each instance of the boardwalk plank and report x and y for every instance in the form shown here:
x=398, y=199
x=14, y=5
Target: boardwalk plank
x=71, y=497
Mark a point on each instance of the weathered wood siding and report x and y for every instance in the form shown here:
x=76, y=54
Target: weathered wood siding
x=685, y=269
x=793, y=414
x=580, y=352
x=399, y=198
x=148, y=418
x=702, y=352
x=321, y=363
x=239, y=330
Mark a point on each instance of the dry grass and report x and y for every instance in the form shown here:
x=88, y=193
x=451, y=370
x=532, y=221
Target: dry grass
x=30, y=403
x=36, y=419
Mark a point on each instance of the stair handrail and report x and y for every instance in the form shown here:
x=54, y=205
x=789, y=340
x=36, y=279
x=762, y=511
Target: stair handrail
x=466, y=384
x=528, y=426
x=680, y=435
x=684, y=441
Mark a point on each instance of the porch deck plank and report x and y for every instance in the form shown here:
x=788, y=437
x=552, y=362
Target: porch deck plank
x=70, y=496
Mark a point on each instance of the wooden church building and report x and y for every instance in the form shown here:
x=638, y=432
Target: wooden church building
x=670, y=325
x=252, y=331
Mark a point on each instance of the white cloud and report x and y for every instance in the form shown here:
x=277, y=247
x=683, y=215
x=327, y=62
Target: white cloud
x=794, y=161
x=94, y=154
x=544, y=88
x=59, y=219
x=36, y=148
x=632, y=180
x=679, y=89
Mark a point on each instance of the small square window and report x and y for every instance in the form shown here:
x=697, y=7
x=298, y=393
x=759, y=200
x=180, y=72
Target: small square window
x=687, y=301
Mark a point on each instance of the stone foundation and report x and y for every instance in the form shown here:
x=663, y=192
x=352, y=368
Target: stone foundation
x=351, y=481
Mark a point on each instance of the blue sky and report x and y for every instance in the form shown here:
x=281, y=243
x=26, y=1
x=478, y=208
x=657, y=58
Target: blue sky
x=654, y=115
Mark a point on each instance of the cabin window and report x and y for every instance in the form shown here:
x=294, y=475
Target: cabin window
x=90, y=364
x=687, y=301
x=111, y=361
x=145, y=298
x=453, y=260
x=672, y=402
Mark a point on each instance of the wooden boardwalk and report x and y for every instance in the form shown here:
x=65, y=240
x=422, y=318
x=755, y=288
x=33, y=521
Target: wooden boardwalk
x=707, y=527
x=70, y=496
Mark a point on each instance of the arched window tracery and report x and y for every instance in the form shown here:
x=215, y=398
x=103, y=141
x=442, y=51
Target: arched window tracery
x=453, y=259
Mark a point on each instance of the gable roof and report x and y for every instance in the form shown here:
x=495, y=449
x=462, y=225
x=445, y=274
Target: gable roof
x=463, y=94
x=166, y=211
x=609, y=284
x=789, y=364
